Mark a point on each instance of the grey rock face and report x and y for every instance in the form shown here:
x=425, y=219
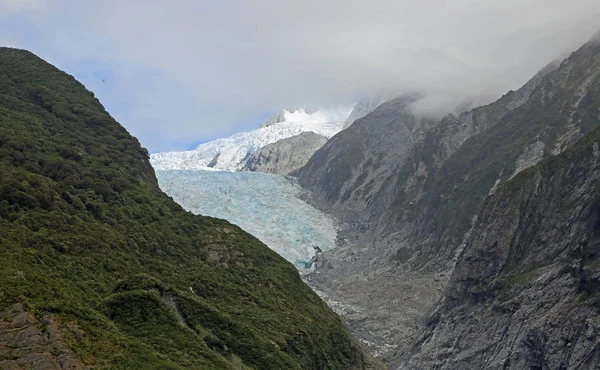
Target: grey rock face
x=356, y=164
x=448, y=176
x=28, y=343
x=286, y=155
x=524, y=292
x=410, y=204
x=532, y=154
x=213, y=162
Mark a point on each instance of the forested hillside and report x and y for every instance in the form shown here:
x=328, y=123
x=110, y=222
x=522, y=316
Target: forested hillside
x=99, y=257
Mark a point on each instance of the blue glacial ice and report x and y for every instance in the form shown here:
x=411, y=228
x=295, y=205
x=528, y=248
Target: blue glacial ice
x=267, y=206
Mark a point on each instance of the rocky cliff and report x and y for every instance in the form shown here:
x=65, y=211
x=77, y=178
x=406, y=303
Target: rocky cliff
x=286, y=155
x=358, y=163
x=447, y=181
x=402, y=237
x=525, y=289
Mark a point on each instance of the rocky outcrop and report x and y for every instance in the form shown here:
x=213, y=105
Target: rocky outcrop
x=524, y=292
x=275, y=118
x=286, y=155
x=29, y=343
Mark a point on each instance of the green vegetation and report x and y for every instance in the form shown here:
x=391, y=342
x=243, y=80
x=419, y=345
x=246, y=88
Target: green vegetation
x=86, y=235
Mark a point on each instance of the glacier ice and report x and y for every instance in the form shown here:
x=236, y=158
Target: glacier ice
x=231, y=153
x=265, y=205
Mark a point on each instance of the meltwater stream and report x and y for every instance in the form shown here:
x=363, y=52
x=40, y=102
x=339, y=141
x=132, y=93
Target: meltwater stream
x=267, y=206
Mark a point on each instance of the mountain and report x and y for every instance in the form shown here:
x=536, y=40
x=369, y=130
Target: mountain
x=364, y=107
x=232, y=153
x=100, y=269
x=354, y=165
x=408, y=212
x=285, y=155
x=525, y=290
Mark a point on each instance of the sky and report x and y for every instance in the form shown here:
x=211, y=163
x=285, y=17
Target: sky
x=180, y=72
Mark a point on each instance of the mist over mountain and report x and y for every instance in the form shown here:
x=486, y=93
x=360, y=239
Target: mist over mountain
x=195, y=71
x=441, y=233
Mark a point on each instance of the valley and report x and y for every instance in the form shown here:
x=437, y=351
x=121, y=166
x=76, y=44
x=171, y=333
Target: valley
x=346, y=186
x=411, y=197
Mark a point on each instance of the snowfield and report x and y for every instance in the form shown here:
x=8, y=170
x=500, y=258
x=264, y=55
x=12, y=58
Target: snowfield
x=267, y=206
x=231, y=153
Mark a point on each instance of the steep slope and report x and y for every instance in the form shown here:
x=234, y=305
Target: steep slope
x=525, y=290
x=562, y=105
x=402, y=240
x=285, y=155
x=95, y=252
x=232, y=153
x=358, y=163
x=411, y=167
x=362, y=108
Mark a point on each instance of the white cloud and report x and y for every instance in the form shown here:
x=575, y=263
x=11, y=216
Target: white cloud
x=213, y=64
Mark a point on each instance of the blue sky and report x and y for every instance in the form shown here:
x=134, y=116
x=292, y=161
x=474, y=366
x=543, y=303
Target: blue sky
x=155, y=106
x=177, y=73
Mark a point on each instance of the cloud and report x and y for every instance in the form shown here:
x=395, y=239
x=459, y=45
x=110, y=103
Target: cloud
x=188, y=71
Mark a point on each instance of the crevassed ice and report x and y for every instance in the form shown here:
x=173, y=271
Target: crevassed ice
x=267, y=206
x=231, y=153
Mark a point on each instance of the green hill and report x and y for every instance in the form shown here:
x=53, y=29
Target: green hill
x=89, y=243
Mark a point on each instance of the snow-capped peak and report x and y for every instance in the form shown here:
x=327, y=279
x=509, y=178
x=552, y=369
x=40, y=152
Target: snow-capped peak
x=231, y=153
x=310, y=115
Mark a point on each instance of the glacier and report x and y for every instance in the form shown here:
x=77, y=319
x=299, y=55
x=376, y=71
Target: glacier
x=270, y=207
x=231, y=153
